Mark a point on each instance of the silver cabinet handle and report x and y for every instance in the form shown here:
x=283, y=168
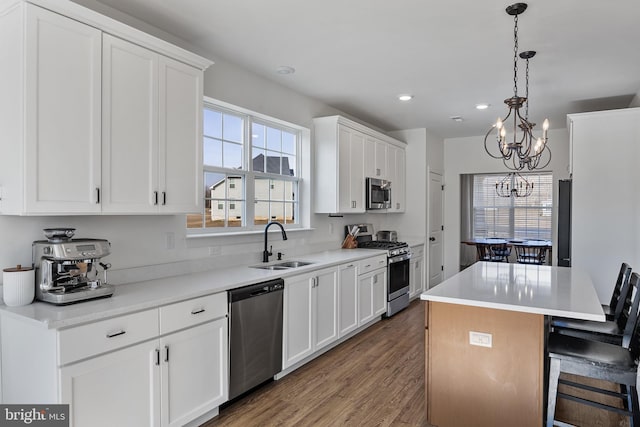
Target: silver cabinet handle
x=157, y=357
x=97, y=195
x=166, y=353
x=367, y=266
x=198, y=311
x=116, y=334
x=164, y=198
x=155, y=197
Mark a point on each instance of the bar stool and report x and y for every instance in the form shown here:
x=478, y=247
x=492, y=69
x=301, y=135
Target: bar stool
x=615, y=305
x=593, y=359
x=617, y=331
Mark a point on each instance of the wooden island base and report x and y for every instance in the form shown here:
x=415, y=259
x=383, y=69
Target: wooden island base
x=471, y=385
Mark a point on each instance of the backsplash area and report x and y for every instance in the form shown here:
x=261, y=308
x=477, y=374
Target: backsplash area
x=148, y=247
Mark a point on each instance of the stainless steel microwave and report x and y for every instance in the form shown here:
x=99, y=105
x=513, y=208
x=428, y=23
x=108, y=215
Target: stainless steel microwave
x=378, y=194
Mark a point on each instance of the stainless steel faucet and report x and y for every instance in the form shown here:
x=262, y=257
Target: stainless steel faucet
x=266, y=253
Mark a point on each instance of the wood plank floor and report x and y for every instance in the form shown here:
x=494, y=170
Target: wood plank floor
x=374, y=379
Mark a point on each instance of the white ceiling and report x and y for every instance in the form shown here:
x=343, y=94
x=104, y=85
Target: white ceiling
x=358, y=55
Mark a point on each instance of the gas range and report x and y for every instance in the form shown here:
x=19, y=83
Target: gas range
x=392, y=248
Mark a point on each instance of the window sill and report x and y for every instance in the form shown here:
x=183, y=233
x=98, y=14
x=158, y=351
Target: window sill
x=243, y=233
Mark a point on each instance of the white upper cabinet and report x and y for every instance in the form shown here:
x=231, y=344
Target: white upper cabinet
x=95, y=128
x=152, y=116
x=130, y=131
x=346, y=154
x=51, y=140
x=397, y=173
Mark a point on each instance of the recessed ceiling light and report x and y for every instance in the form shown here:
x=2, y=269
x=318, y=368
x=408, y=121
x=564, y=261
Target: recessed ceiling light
x=285, y=69
x=482, y=106
x=405, y=97
x=457, y=119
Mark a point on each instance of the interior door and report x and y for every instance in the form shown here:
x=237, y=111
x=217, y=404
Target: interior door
x=435, y=229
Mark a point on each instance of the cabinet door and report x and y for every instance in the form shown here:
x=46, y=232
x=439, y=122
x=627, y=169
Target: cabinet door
x=297, y=319
x=350, y=170
x=62, y=131
x=379, y=289
x=396, y=174
x=326, y=308
x=180, y=137
x=416, y=276
x=381, y=166
x=194, y=372
x=101, y=390
x=348, y=299
x=370, y=157
x=130, y=126
x=365, y=298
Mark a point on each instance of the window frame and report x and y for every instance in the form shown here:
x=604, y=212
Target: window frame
x=250, y=176
x=513, y=206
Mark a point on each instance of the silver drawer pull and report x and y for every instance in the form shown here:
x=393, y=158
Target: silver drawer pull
x=115, y=334
x=367, y=266
x=198, y=311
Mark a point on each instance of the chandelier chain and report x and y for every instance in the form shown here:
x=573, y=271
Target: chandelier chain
x=526, y=93
x=515, y=56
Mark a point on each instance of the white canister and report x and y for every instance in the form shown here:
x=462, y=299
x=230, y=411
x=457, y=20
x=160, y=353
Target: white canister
x=18, y=285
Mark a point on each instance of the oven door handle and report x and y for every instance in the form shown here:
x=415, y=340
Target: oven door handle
x=399, y=258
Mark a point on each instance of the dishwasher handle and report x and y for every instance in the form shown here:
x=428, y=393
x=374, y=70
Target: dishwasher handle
x=256, y=290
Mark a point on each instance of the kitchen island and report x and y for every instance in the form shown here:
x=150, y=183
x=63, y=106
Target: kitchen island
x=485, y=338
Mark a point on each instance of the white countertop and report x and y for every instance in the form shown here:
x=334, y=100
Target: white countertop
x=554, y=291
x=154, y=293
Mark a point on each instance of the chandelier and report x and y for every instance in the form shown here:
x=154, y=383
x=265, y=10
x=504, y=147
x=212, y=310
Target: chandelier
x=518, y=148
x=514, y=185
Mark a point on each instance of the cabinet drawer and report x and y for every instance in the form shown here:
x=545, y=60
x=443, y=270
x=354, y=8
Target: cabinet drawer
x=373, y=263
x=106, y=335
x=192, y=312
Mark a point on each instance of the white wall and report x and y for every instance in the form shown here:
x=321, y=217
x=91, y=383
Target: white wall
x=467, y=156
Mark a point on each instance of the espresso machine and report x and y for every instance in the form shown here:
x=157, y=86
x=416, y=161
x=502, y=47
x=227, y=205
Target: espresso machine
x=66, y=269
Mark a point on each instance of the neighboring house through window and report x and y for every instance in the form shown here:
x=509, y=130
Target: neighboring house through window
x=248, y=157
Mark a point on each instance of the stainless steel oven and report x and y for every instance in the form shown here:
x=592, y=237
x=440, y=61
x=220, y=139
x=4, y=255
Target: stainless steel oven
x=398, y=282
x=378, y=193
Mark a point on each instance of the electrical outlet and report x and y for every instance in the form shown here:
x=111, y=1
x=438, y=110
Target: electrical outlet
x=480, y=339
x=170, y=240
x=330, y=228
x=215, y=250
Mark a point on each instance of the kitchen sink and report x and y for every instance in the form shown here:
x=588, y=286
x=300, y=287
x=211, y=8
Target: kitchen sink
x=284, y=265
x=270, y=267
x=292, y=264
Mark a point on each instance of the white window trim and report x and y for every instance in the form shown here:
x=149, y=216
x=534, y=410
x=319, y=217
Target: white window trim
x=303, y=168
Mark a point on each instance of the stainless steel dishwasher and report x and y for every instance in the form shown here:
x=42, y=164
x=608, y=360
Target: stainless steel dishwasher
x=255, y=335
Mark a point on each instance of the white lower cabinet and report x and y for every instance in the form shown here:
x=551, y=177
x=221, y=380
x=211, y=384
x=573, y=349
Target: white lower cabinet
x=310, y=319
x=416, y=271
x=372, y=295
x=193, y=372
x=121, y=388
x=160, y=367
x=348, y=298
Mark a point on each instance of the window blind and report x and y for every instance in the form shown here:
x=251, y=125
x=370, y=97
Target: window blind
x=512, y=217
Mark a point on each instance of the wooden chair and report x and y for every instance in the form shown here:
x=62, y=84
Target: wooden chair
x=615, y=305
x=598, y=360
x=617, y=331
x=500, y=252
x=531, y=254
x=492, y=252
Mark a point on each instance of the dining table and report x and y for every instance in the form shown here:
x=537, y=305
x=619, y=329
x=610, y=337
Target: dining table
x=511, y=242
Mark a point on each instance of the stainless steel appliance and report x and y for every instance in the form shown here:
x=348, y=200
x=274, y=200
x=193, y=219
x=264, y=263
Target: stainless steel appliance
x=255, y=335
x=66, y=269
x=390, y=236
x=398, y=258
x=378, y=193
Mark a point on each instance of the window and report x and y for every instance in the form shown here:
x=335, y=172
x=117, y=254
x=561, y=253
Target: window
x=512, y=217
x=247, y=157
